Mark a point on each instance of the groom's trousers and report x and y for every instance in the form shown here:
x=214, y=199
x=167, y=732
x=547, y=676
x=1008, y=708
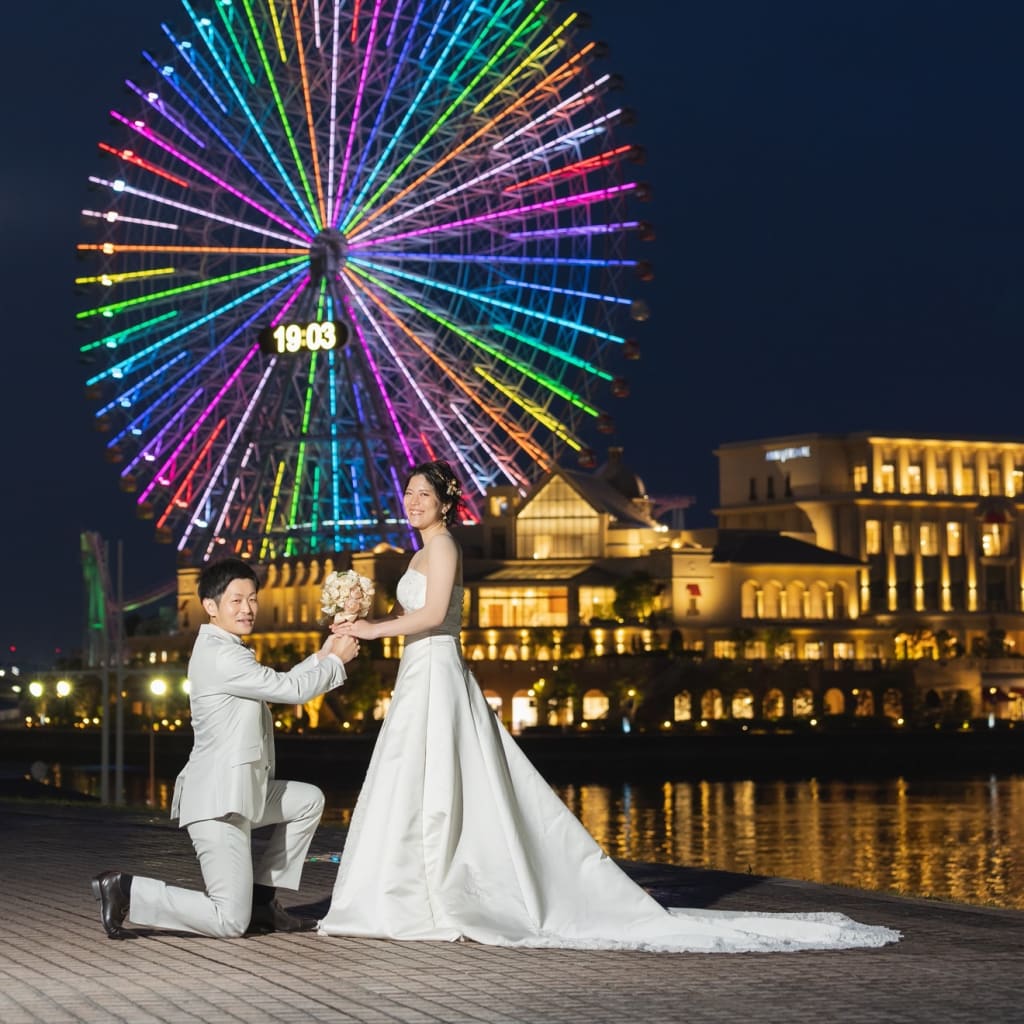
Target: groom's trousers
x=224, y=848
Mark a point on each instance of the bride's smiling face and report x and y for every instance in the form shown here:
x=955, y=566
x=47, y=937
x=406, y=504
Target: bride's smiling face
x=422, y=504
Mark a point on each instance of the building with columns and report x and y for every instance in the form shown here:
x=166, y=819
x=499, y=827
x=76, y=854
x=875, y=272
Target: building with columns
x=936, y=522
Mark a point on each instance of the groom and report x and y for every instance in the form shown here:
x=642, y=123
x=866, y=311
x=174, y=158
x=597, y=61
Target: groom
x=228, y=788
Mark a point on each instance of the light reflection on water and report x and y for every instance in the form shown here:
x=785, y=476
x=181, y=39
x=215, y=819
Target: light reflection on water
x=954, y=839
x=950, y=839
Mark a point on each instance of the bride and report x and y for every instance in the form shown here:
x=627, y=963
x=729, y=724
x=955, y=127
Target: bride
x=456, y=836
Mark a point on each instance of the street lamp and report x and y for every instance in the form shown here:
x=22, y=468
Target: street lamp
x=157, y=688
x=63, y=691
x=36, y=690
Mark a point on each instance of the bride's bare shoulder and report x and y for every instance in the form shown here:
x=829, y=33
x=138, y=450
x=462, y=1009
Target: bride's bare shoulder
x=442, y=542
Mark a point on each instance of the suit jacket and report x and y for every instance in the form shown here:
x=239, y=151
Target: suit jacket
x=232, y=756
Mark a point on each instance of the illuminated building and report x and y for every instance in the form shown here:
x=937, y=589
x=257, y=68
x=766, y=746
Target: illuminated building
x=845, y=552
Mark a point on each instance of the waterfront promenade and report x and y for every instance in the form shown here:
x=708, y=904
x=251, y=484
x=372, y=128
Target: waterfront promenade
x=955, y=963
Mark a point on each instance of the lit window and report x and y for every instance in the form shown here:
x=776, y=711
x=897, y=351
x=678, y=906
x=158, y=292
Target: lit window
x=860, y=477
x=954, y=540
x=967, y=481
x=873, y=536
x=929, y=539
x=994, y=539
x=558, y=523
x=887, y=478
x=941, y=479
x=913, y=480
x=901, y=538
x=682, y=707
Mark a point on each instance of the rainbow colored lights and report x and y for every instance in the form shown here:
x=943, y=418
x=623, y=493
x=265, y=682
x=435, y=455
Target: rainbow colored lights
x=447, y=176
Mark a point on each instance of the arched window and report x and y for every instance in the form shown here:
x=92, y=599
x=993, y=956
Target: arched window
x=803, y=703
x=595, y=705
x=833, y=702
x=682, y=706
x=892, y=704
x=772, y=600
x=711, y=705
x=494, y=700
x=742, y=704
x=524, y=711
x=773, y=705
x=865, y=703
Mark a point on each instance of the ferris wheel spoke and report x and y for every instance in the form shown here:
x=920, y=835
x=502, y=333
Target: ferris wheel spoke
x=167, y=469
x=357, y=104
x=121, y=367
x=228, y=452
x=358, y=204
x=151, y=136
x=541, y=153
x=447, y=114
x=125, y=334
x=428, y=405
x=167, y=77
x=383, y=104
x=495, y=216
x=307, y=204
x=165, y=388
x=485, y=300
x=119, y=188
x=271, y=79
x=507, y=427
x=307, y=103
x=536, y=411
x=180, y=497
x=496, y=354
x=485, y=129
x=154, y=102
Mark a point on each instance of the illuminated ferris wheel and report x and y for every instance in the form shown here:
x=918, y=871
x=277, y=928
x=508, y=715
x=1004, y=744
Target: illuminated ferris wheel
x=334, y=238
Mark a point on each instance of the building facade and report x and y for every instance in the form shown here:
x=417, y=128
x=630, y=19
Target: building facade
x=833, y=554
x=936, y=521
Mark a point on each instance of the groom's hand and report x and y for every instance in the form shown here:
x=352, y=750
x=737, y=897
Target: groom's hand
x=344, y=647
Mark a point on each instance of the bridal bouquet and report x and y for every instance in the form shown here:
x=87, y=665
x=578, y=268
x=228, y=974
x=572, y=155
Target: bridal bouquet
x=347, y=596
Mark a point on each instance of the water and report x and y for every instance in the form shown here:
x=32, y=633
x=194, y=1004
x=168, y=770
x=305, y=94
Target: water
x=952, y=839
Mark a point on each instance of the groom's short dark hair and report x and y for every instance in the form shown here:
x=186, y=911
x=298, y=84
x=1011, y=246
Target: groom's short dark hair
x=217, y=576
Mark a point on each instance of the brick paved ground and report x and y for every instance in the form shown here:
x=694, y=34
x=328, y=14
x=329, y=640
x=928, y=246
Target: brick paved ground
x=956, y=963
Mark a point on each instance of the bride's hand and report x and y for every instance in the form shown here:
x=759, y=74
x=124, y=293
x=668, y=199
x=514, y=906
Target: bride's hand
x=361, y=629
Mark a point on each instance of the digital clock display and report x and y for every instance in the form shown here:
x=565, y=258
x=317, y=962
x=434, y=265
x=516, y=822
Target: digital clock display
x=292, y=336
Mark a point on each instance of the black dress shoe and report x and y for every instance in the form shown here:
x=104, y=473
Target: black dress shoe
x=272, y=917
x=106, y=887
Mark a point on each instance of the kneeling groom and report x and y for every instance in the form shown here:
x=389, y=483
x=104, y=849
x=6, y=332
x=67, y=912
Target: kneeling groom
x=228, y=788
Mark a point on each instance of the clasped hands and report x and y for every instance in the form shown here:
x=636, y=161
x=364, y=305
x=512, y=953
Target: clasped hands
x=344, y=647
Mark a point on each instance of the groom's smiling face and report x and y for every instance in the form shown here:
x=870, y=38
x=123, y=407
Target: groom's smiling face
x=236, y=609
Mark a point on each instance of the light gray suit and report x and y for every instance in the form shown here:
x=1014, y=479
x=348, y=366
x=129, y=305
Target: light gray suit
x=228, y=788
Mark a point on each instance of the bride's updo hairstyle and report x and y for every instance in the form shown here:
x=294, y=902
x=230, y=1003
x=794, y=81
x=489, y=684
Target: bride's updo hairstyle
x=447, y=488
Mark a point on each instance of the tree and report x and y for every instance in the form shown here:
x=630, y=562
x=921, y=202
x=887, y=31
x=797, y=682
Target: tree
x=635, y=596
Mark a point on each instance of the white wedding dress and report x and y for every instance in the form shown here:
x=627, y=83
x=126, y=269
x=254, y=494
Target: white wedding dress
x=456, y=836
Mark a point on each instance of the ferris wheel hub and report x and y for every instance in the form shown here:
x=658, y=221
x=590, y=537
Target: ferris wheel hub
x=327, y=254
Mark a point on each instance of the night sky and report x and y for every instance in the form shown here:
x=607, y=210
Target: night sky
x=839, y=210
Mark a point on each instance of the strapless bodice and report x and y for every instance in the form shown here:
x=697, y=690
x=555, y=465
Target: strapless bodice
x=412, y=594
